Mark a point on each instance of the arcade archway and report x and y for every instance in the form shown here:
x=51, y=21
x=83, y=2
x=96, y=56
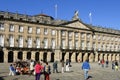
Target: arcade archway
x=10, y=56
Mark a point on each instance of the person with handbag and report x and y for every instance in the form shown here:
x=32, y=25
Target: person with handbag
x=47, y=71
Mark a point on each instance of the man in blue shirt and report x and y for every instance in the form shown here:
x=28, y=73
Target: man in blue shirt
x=86, y=68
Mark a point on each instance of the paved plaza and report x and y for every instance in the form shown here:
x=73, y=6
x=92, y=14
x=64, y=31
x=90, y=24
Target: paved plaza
x=76, y=73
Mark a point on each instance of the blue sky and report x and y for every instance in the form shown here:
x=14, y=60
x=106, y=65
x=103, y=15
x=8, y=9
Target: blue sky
x=105, y=13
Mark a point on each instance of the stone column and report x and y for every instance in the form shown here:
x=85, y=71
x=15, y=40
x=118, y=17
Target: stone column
x=79, y=57
x=105, y=57
x=117, y=57
x=48, y=56
x=113, y=57
x=33, y=55
x=59, y=38
x=57, y=55
x=66, y=39
x=101, y=56
x=73, y=40
x=109, y=57
x=41, y=55
x=96, y=57
x=25, y=55
x=66, y=55
x=5, y=56
x=85, y=45
x=85, y=56
x=91, y=57
x=73, y=57
x=15, y=56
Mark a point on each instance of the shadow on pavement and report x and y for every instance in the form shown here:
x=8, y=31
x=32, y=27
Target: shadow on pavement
x=1, y=78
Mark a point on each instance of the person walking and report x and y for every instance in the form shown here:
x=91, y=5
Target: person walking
x=62, y=64
x=12, y=70
x=86, y=68
x=38, y=69
x=55, y=66
x=67, y=65
x=47, y=71
x=31, y=67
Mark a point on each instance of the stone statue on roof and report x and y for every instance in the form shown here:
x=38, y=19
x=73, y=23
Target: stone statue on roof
x=76, y=16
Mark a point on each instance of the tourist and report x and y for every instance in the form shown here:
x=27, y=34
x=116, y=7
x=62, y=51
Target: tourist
x=12, y=70
x=62, y=64
x=31, y=67
x=38, y=69
x=47, y=71
x=107, y=62
x=86, y=68
x=55, y=66
x=116, y=65
x=67, y=65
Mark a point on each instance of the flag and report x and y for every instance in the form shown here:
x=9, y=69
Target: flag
x=90, y=14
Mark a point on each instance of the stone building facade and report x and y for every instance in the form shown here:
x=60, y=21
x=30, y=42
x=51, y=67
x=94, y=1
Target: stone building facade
x=24, y=37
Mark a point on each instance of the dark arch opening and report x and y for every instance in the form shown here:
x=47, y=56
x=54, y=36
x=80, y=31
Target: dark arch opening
x=52, y=57
x=37, y=56
x=45, y=57
x=70, y=55
x=20, y=55
x=1, y=56
x=63, y=56
x=28, y=55
x=10, y=56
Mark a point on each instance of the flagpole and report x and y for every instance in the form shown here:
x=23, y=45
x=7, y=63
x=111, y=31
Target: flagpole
x=90, y=17
x=56, y=11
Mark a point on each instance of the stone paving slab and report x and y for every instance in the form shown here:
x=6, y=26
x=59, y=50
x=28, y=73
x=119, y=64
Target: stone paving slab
x=76, y=73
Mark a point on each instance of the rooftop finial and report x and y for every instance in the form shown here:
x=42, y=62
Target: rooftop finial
x=76, y=16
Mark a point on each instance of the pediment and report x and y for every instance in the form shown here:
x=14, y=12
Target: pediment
x=77, y=24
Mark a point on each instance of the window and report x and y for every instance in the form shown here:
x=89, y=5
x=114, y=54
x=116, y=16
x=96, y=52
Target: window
x=20, y=28
x=20, y=41
x=76, y=34
x=83, y=35
x=45, y=31
x=53, y=32
x=88, y=36
x=1, y=26
x=63, y=44
x=70, y=44
x=37, y=30
x=70, y=34
x=53, y=43
x=82, y=45
x=11, y=41
x=1, y=40
x=94, y=37
x=37, y=42
x=45, y=43
x=88, y=45
x=29, y=29
x=11, y=28
x=63, y=33
x=29, y=41
x=76, y=44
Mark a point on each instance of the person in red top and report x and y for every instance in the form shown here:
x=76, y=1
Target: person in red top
x=38, y=69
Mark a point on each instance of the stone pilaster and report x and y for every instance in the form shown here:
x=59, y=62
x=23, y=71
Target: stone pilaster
x=6, y=56
x=48, y=56
x=79, y=57
x=105, y=57
x=57, y=55
x=66, y=39
x=113, y=57
x=24, y=55
x=41, y=55
x=33, y=55
x=85, y=56
x=96, y=56
x=101, y=56
x=15, y=56
x=66, y=56
x=91, y=57
x=109, y=57
x=117, y=57
x=73, y=57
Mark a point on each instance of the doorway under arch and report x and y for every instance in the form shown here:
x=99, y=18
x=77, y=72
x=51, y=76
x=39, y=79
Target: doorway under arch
x=45, y=57
x=20, y=55
x=1, y=56
x=52, y=57
x=10, y=56
x=28, y=55
x=37, y=56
